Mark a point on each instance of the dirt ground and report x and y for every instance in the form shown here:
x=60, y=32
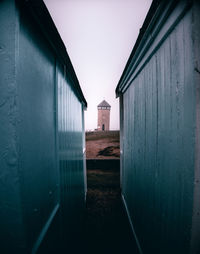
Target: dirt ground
x=107, y=229
x=102, y=145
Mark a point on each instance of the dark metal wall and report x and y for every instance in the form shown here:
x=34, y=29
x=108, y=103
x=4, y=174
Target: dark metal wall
x=71, y=154
x=159, y=105
x=10, y=207
x=41, y=130
x=37, y=130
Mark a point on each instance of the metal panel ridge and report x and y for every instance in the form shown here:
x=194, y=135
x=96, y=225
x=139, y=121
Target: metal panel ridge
x=156, y=17
x=42, y=17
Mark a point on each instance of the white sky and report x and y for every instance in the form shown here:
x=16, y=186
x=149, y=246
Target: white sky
x=99, y=36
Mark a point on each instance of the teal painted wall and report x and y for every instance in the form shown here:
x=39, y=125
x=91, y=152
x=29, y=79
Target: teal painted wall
x=41, y=133
x=11, y=220
x=158, y=128
x=37, y=129
x=71, y=157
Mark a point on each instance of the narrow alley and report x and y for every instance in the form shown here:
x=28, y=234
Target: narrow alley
x=67, y=188
x=107, y=229
x=106, y=224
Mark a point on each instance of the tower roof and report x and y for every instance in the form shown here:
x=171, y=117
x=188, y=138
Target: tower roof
x=104, y=104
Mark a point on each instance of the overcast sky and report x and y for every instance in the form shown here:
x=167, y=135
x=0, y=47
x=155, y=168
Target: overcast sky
x=99, y=36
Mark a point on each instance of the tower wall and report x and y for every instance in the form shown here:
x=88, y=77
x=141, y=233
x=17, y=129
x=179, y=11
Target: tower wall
x=103, y=119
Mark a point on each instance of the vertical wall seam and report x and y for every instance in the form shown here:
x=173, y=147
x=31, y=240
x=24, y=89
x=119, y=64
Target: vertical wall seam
x=131, y=224
x=18, y=119
x=195, y=229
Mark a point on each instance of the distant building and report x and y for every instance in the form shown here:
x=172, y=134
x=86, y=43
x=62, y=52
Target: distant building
x=103, y=116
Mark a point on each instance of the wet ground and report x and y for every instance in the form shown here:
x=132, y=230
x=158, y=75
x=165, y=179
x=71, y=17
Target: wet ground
x=106, y=225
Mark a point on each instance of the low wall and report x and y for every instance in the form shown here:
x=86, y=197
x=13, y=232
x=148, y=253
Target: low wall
x=103, y=164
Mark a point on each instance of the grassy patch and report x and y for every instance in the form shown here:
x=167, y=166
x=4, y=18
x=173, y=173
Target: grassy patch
x=108, y=151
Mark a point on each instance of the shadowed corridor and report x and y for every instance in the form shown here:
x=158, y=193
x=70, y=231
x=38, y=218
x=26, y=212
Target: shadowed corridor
x=106, y=225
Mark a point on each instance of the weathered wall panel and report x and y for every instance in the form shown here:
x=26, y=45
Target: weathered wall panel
x=195, y=242
x=37, y=129
x=70, y=129
x=11, y=223
x=159, y=125
x=42, y=132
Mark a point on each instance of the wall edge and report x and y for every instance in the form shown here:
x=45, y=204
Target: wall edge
x=45, y=229
x=131, y=224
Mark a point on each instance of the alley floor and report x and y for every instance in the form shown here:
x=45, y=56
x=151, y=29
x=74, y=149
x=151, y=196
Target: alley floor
x=106, y=224
x=105, y=227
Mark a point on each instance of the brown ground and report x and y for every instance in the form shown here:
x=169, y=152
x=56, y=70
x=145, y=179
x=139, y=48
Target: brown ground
x=107, y=230
x=102, y=145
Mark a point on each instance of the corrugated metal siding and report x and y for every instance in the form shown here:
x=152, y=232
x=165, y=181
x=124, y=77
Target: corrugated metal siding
x=39, y=175
x=11, y=219
x=41, y=132
x=71, y=157
x=159, y=140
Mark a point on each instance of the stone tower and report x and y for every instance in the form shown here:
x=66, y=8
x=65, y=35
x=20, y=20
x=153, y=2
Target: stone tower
x=103, y=116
